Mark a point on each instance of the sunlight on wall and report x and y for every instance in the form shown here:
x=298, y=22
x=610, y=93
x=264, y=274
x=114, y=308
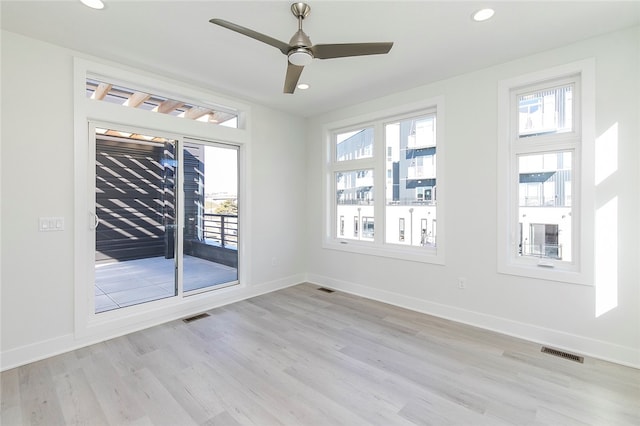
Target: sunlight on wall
x=607, y=257
x=606, y=154
x=606, y=235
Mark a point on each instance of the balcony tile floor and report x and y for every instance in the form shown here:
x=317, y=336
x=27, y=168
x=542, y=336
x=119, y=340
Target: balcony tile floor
x=132, y=282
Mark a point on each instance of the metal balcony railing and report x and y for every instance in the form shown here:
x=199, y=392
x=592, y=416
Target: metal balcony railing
x=221, y=229
x=355, y=202
x=550, y=251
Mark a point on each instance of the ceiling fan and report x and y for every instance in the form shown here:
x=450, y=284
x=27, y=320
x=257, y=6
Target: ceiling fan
x=300, y=51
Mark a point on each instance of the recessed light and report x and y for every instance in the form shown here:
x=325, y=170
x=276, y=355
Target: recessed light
x=483, y=15
x=94, y=4
x=303, y=86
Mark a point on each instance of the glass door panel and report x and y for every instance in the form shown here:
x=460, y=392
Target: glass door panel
x=135, y=234
x=210, y=236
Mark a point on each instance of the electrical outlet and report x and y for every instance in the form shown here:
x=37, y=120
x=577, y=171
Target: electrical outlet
x=462, y=283
x=274, y=261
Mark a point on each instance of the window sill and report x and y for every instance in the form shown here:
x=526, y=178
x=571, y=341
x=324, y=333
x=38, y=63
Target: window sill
x=412, y=254
x=545, y=272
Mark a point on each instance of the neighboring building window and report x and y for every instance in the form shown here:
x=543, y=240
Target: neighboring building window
x=356, y=222
x=543, y=152
x=367, y=228
x=387, y=169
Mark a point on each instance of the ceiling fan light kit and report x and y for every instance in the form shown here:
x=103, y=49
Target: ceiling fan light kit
x=300, y=57
x=300, y=51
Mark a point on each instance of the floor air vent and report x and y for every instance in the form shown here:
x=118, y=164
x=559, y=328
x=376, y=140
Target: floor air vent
x=326, y=290
x=195, y=317
x=562, y=354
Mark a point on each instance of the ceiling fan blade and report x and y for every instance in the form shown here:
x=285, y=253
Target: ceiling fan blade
x=328, y=51
x=293, y=75
x=280, y=45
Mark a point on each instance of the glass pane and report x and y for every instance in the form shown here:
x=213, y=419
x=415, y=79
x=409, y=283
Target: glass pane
x=544, y=210
x=354, y=145
x=210, y=243
x=108, y=92
x=135, y=208
x=354, y=201
x=411, y=182
x=545, y=112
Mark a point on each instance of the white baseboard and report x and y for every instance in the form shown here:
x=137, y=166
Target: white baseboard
x=26, y=354
x=573, y=343
x=586, y=346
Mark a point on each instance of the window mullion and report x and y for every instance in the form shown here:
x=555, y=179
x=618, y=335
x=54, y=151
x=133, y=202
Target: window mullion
x=379, y=185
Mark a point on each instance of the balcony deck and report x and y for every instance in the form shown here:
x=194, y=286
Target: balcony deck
x=132, y=282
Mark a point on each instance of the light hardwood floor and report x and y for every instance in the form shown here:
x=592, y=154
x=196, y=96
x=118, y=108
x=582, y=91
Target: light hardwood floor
x=301, y=356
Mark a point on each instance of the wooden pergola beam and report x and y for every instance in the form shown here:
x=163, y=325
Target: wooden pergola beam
x=101, y=91
x=196, y=112
x=136, y=99
x=168, y=106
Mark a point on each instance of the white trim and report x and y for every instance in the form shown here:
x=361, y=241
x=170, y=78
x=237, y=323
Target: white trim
x=581, y=270
x=23, y=355
x=89, y=326
x=623, y=355
x=376, y=120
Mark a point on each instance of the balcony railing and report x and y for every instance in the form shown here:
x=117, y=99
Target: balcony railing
x=550, y=251
x=355, y=202
x=221, y=229
x=411, y=202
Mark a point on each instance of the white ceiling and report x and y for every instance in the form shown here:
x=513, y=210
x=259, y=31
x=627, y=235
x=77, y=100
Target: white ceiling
x=433, y=40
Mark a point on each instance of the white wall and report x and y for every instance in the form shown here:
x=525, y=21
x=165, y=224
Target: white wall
x=37, y=311
x=559, y=314
x=37, y=317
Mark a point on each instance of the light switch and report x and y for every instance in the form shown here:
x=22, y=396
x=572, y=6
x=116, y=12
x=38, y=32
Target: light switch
x=47, y=224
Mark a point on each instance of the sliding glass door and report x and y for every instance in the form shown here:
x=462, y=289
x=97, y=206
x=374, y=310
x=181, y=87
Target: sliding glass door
x=147, y=185
x=210, y=237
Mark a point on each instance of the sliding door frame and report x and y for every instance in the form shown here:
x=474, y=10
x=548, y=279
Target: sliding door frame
x=89, y=326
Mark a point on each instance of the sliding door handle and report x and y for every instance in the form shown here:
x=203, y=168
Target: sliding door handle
x=94, y=219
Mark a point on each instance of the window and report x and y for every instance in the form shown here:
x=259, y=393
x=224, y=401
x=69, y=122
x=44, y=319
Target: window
x=546, y=111
x=409, y=197
x=543, y=241
x=386, y=172
x=367, y=228
x=132, y=98
x=545, y=153
x=356, y=222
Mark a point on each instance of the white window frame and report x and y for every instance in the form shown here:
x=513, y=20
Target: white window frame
x=581, y=141
x=378, y=120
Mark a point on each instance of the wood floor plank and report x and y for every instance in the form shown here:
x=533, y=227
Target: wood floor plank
x=38, y=399
x=156, y=400
x=117, y=400
x=10, y=400
x=77, y=400
x=300, y=356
